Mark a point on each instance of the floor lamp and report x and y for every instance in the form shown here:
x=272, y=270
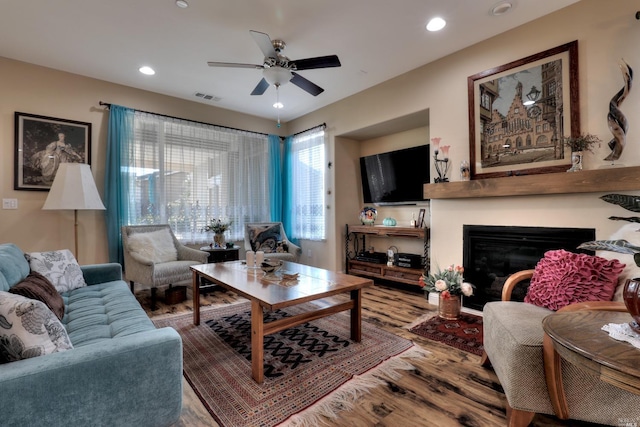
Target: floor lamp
x=74, y=188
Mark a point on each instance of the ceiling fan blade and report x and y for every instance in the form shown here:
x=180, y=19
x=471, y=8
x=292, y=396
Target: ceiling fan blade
x=261, y=87
x=233, y=65
x=319, y=62
x=264, y=43
x=306, y=85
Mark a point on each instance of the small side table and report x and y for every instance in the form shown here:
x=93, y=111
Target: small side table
x=577, y=337
x=218, y=255
x=222, y=254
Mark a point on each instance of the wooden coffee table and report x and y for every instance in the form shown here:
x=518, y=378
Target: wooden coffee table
x=271, y=292
x=578, y=338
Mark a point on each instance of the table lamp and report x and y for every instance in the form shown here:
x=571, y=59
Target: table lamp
x=73, y=188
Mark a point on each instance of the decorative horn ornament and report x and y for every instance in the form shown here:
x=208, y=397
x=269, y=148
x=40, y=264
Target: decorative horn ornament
x=618, y=123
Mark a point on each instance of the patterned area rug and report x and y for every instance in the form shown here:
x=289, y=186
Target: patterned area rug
x=311, y=371
x=465, y=333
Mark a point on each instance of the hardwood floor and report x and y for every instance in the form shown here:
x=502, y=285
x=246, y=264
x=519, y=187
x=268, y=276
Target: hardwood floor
x=448, y=388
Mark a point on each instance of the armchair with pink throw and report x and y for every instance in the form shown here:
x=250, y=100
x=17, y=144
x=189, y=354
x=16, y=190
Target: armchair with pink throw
x=513, y=340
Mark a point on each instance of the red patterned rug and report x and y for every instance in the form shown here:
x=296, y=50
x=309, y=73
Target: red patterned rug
x=465, y=333
x=311, y=371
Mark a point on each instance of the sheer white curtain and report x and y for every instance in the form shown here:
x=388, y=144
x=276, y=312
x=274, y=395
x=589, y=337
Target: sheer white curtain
x=186, y=173
x=307, y=163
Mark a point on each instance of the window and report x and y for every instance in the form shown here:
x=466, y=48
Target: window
x=307, y=157
x=186, y=173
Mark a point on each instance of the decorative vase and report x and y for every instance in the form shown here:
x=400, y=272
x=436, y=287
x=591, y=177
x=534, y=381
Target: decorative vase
x=576, y=161
x=631, y=295
x=449, y=308
x=368, y=215
x=218, y=240
x=389, y=222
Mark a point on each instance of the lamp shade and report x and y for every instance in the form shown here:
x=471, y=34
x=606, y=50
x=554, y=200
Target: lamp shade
x=277, y=75
x=73, y=188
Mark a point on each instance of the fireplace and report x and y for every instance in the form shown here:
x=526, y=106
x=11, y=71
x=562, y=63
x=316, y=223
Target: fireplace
x=492, y=253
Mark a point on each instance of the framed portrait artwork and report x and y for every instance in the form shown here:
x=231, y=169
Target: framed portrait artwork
x=519, y=113
x=42, y=143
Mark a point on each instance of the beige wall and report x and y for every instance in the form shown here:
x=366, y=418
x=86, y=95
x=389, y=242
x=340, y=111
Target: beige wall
x=42, y=91
x=606, y=32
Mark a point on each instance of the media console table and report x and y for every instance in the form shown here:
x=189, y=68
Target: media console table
x=355, y=241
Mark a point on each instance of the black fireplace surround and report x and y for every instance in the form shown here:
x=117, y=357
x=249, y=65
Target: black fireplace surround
x=492, y=253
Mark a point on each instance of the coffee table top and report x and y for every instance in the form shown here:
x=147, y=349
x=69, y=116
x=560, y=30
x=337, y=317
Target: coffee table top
x=272, y=291
x=590, y=347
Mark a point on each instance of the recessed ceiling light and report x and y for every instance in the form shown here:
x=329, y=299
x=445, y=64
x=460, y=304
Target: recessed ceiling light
x=182, y=4
x=501, y=8
x=278, y=105
x=147, y=70
x=436, y=24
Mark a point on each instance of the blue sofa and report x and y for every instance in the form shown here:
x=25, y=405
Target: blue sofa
x=122, y=371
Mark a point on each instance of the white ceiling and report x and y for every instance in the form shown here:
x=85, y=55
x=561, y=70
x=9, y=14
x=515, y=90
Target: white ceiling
x=375, y=40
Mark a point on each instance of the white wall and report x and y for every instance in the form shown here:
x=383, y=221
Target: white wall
x=606, y=32
x=37, y=90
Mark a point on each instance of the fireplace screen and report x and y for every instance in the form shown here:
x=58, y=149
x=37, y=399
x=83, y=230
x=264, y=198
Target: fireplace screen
x=492, y=253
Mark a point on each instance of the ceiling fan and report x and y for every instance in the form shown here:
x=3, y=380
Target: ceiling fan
x=278, y=70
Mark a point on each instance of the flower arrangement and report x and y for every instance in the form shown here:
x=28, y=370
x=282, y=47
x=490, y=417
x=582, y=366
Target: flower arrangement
x=218, y=226
x=582, y=142
x=447, y=282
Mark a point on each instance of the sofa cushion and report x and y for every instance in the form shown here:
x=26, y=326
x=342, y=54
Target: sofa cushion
x=13, y=266
x=28, y=329
x=60, y=267
x=561, y=278
x=38, y=287
x=101, y=312
x=264, y=237
x=155, y=246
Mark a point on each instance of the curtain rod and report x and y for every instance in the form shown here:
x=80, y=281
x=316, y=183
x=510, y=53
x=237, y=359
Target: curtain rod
x=322, y=125
x=108, y=105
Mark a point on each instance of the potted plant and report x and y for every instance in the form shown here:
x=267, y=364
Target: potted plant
x=579, y=144
x=450, y=285
x=631, y=292
x=218, y=227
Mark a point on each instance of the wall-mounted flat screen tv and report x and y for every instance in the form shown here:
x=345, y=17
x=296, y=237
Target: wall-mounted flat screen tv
x=395, y=177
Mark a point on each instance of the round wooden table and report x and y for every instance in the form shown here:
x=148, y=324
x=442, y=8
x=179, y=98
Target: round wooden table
x=578, y=338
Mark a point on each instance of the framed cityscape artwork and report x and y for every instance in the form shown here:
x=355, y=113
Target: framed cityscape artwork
x=42, y=143
x=519, y=113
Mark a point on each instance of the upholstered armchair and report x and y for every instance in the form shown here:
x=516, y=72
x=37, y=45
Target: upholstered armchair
x=270, y=238
x=154, y=257
x=513, y=345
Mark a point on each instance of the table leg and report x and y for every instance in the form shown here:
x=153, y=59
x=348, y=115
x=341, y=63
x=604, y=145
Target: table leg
x=356, y=315
x=257, y=342
x=196, y=297
x=553, y=376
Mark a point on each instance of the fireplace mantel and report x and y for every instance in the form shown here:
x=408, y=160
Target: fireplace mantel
x=585, y=181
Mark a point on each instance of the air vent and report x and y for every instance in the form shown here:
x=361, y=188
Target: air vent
x=208, y=97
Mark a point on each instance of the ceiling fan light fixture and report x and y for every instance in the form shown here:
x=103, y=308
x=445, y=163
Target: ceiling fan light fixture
x=436, y=24
x=278, y=105
x=277, y=75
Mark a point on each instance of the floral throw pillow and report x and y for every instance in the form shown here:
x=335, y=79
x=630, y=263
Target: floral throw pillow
x=264, y=237
x=60, y=267
x=29, y=329
x=561, y=278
